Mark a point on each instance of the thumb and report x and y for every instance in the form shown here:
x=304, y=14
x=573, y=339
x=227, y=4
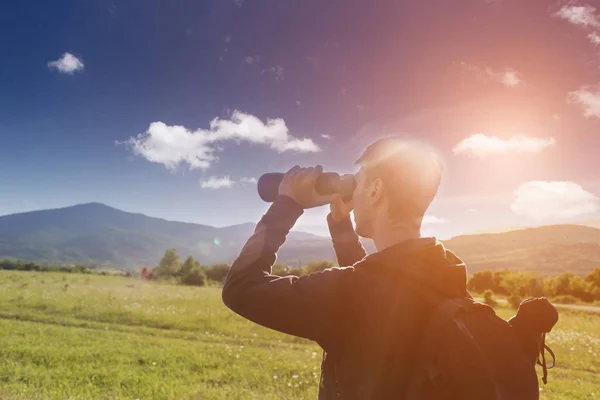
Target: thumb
x=337, y=199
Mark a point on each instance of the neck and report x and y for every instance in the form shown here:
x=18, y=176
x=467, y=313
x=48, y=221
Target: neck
x=386, y=235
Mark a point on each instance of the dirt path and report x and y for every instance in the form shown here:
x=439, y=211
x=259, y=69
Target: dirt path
x=580, y=307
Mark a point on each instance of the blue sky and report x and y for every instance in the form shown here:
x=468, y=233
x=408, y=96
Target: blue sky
x=92, y=95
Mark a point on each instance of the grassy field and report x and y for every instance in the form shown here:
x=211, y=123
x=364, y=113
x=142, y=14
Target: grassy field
x=66, y=336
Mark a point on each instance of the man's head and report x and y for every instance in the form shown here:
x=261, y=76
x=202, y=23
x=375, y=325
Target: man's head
x=395, y=184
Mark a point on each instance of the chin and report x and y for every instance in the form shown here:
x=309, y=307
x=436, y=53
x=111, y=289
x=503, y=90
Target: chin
x=362, y=232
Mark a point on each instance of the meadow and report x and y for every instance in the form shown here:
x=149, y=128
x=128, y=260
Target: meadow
x=75, y=336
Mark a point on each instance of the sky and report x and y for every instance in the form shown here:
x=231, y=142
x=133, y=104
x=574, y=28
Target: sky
x=174, y=109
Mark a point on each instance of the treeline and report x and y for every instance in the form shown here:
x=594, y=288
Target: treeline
x=192, y=272
x=515, y=286
x=566, y=287
x=11, y=265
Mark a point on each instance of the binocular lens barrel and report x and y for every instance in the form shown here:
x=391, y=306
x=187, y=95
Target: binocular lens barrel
x=327, y=183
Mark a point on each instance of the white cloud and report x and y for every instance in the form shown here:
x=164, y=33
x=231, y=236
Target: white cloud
x=588, y=98
x=580, y=15
x=325, y=136
x=509, y=77
x=67, y=64
x=584, y=16
x=432, y=219
x=248, y=180
x=277, y=71
x=214, y=182
x=557, y=200
x=480, y=145
x=175, y=145
x=252, y=59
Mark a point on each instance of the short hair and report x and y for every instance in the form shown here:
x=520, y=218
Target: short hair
x=410, y=171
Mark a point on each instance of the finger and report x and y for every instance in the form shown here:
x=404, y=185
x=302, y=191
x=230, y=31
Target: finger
x=314, y=174
x=289, y=176
x=305, y=173
x=292, y=172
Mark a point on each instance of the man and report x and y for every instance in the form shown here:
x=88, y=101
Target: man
x=366, y=315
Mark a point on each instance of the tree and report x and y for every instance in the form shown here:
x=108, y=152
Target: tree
x=188, y=265
x=581, y=289
x=316, y=266
x=488, y=298
x=169, y=265
x=481, y=281
x=194, y=276
x=499, y=278
x=521, y=284
x=560, y=285
x=515, y=301
x=218, y=272
x=282, y=270
x=594, y=278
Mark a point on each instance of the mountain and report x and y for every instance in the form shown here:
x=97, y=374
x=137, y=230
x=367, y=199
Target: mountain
x=594, y=223
x=548, y=249
x=97, y=234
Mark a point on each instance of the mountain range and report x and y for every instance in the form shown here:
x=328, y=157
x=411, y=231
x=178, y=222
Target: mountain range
x=96, y=234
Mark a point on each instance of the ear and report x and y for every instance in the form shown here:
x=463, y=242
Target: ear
x=375, y=192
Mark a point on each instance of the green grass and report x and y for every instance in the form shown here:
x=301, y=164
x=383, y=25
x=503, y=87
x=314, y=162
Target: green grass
x=66, y=336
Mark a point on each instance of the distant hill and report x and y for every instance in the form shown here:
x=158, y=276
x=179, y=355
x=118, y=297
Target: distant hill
x=594, y=223
x=545, y=249
x=97, y=234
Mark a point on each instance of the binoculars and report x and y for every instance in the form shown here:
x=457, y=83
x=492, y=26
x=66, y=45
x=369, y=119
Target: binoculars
x=327, y=183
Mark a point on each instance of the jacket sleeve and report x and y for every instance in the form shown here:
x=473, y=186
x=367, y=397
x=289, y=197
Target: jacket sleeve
x=302, y=306
x=346, y=243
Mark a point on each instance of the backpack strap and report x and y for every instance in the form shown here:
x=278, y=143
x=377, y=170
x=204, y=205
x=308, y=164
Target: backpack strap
x=545, y=366
x=425, y=369
x=444, y=309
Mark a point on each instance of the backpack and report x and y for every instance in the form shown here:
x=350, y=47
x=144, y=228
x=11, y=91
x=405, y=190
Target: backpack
x=468, y=352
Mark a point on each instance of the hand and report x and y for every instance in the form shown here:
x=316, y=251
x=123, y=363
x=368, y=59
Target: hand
x=340, y=210
x=299, y=184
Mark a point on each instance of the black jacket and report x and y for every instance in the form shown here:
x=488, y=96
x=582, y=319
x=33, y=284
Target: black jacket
x=367, y=316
